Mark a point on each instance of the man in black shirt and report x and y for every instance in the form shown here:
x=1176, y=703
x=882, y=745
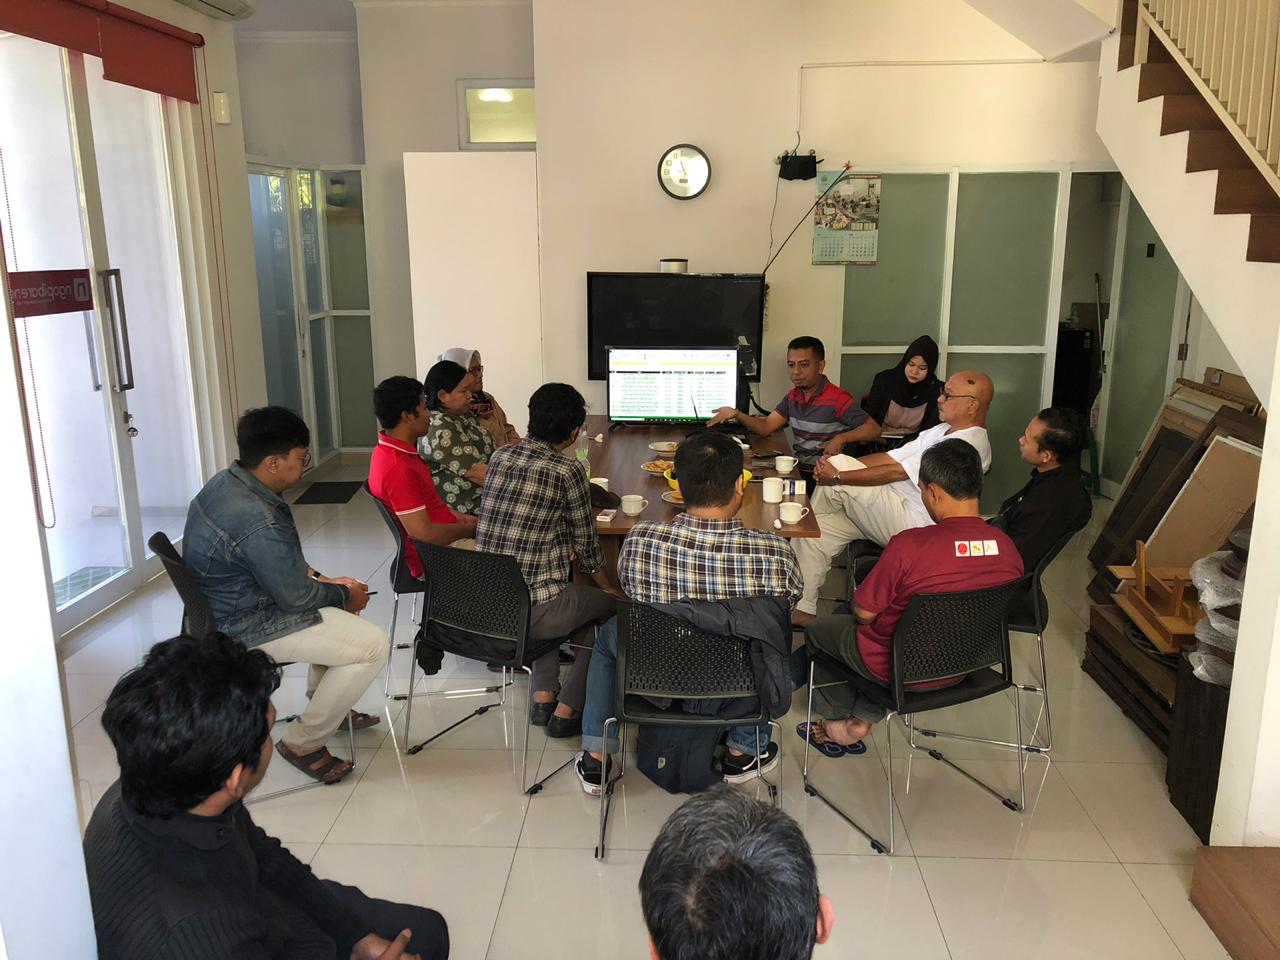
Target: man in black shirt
x=177, y=868
x=1054, y=502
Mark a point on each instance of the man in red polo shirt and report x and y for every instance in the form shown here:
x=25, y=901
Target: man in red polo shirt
x=399, y=477
x=959, y=551
x=823, y=417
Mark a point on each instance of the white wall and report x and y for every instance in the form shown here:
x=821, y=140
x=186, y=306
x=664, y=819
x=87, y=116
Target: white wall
x=467, y=290
x=410, y=57
x=300, y=95
x=1205, y=347
x=611, y=99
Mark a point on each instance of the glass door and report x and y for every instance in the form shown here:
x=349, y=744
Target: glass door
x=90, y=254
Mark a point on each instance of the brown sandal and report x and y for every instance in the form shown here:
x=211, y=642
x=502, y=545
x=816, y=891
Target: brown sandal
x=318, y=765
x=361, y=721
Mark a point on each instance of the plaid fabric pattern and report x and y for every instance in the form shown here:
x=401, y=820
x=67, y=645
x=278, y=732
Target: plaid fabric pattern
x=534, y=506
x=692, y=558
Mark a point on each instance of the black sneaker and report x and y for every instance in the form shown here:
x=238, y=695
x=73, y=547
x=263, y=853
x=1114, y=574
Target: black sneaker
x=591, y=773
x=747, y=767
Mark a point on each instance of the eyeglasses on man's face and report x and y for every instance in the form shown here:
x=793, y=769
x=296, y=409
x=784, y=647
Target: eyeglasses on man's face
x=948, y=395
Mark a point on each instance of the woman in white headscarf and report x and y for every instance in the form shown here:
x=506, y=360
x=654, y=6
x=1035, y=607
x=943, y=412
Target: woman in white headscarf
x=483, y=405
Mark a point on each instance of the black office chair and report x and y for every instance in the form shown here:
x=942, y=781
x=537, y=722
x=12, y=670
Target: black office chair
x=940, y=635
x=1030, y=614
x=197, y=621
x=197, y=617
x=476, y=605
x=664, y=657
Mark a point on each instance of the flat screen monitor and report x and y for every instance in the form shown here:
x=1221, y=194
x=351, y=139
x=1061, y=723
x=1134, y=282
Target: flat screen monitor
x=670, y=384
x=678, y=310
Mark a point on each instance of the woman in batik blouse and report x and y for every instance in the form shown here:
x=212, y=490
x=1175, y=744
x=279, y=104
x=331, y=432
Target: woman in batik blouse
x=457, y=446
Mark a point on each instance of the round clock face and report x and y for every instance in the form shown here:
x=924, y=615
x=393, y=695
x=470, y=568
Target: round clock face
x=684, y=171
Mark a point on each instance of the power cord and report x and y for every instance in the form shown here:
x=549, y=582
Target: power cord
x=844, y=175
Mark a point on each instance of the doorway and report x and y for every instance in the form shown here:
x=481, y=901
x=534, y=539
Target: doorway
x=91, y=262
x=313, y=299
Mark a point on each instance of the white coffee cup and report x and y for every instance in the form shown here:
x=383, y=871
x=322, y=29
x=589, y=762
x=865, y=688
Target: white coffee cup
x=634, y=505
x=772, y=489
x=792, y=512
x=601, y=482
x=784, y=465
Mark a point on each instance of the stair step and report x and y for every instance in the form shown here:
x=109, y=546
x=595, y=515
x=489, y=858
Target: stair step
x=1125, y=60
x=1215, y=150
x=1159, y=79
x=1264, y=238
x=1187, y=111
x=1245, y=191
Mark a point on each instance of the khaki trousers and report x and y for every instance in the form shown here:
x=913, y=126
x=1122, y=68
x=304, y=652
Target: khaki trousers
x=346, y=653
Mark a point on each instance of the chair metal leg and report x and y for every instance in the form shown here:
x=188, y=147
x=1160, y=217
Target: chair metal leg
x=391, y=643
x=813, y=791
x=607, y=782
x=1014, y=805
x=775, y=790
x=413, y=610
x=888, y=737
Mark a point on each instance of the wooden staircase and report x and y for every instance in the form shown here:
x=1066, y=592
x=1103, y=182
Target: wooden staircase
x=1242, y=188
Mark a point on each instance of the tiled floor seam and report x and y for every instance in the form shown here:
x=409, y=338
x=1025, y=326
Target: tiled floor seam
x=1150, y=906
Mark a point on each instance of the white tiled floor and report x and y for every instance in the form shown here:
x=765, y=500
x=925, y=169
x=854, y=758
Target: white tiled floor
x=1097, y=866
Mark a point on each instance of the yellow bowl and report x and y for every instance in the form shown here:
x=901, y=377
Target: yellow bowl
x=675, y=484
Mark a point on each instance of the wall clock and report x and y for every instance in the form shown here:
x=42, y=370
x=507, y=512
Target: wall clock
x=684, y=171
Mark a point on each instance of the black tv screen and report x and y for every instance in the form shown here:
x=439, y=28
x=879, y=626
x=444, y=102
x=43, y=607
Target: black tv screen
x=675, y=310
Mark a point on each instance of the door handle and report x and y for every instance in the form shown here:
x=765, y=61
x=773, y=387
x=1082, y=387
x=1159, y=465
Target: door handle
x=93, y=352
x=114, y=301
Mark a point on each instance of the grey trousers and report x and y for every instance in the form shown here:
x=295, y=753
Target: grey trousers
x=562, y=616
x=836, y=636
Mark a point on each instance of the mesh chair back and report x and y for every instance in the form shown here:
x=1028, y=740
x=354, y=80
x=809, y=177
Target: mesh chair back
x=402, y=581
x=1031, y=613
x=197, y=617
x=664, y=656
x=479, y=593
x=944, y=635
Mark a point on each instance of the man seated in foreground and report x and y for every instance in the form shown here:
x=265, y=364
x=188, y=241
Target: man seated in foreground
x=705, y=553
x=731, y=878
x=822, y=416
x=243, y=551
x=536, y=507
x=176, y=866
x=878, y=496
x=958, y=551
x=1054, y=502
x=401, y=479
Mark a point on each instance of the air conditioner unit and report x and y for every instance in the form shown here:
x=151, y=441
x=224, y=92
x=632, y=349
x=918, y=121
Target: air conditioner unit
x=223, y=9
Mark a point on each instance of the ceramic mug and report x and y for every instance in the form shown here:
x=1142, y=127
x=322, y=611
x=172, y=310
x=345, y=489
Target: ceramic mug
x=634, y=505
x=784, y=465
x=772, y=489
x=792, y=512
x=601, y=482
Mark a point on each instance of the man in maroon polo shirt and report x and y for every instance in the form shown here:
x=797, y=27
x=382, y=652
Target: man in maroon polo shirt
x=399, y=477
x=823, y=417
x=959, y=551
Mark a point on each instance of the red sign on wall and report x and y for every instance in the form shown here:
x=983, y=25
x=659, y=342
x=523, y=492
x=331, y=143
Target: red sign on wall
x=36, y=293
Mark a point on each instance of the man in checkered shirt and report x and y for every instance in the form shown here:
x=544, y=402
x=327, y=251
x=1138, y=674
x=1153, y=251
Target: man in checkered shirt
x=703, y=554
x=536, y=507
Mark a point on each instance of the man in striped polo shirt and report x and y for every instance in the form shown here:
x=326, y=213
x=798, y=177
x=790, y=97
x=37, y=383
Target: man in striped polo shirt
x=823, y=417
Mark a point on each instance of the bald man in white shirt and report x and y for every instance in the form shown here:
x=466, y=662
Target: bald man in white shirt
x=878, y=496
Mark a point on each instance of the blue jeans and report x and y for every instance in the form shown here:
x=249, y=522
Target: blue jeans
x=601, y=684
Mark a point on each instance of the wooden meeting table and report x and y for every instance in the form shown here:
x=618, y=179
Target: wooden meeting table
x=623, y=451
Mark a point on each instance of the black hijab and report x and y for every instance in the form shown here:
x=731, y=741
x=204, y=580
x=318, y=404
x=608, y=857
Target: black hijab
x=893, y=385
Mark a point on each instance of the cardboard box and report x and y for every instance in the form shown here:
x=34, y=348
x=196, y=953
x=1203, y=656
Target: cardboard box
x=1209, y=506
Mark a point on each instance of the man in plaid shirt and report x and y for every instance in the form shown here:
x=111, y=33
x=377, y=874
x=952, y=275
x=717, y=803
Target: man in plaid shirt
x=536, y=507
x=703, y=554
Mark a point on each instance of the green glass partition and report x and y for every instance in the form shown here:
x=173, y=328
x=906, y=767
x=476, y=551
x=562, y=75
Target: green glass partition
x=1017, y=381
x=1143, y=331
x=900, y=297
x=353, y=356
x=344, y=236
x=858, y=369
x=1003, y=258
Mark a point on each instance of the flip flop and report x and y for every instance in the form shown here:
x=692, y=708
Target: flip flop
x=361, y=721
x=318, y=764
x=827, y=747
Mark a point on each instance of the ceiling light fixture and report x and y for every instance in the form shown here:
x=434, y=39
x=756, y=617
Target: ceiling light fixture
x=496, y=95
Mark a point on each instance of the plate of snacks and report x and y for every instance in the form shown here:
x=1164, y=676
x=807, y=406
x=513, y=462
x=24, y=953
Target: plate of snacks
x=667, y=447
x=673, y=497
x=658, y=467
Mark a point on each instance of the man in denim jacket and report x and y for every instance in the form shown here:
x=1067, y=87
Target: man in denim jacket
x=242, y=547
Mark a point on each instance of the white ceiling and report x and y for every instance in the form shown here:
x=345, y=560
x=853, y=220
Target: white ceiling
x=330, y=16
x=1056, y=29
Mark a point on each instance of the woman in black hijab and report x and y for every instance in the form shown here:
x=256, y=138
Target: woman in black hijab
x=904, y=399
